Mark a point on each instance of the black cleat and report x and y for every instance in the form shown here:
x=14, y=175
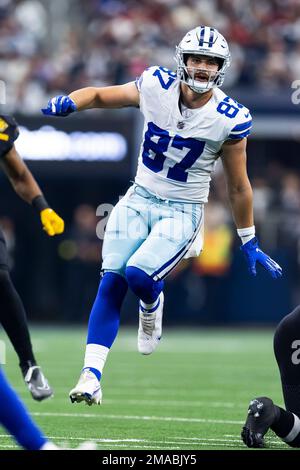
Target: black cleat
x=37, y=383
x=261, y=415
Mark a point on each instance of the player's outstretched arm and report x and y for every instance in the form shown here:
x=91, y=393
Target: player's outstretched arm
x=241, y=200
x=28, y=189
x=119, y=96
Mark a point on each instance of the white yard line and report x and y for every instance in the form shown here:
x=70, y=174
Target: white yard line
x=185, y=440
x=212, y=404
x=172, y=447
x=278, y=442
x=106, y=441
x=176, y=403
x=169, y=444
x=132, y=445
x=8, y=446
x=153, y=392
x=138, y=418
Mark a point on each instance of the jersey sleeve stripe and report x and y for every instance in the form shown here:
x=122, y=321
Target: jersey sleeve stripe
x=239, y=136
x=243, y=126
x=241, y=132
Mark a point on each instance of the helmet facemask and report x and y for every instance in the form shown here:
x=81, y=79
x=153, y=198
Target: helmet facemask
x=186, y=74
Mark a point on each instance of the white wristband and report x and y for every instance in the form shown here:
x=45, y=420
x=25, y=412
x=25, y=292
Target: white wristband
x=246, y=234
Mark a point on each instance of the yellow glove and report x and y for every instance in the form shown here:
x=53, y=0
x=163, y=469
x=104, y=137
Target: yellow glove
x=52, y=223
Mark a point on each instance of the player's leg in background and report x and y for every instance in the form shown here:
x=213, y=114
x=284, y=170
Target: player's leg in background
x=126, y=230
x=18, y=422
x=173, y=230
x=15, y=418
x=263, y=414
x=287, y=353
x=14, y=321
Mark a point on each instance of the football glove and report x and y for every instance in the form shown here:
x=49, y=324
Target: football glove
x=255, y=255
x=59, y=106
x=52, y=223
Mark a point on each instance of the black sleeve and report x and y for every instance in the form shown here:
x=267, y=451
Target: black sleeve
x=8, y=133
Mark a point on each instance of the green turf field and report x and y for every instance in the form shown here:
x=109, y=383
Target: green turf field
x=192, y=393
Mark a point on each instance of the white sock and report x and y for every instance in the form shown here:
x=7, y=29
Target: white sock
x=149, y=306
x=95, y=356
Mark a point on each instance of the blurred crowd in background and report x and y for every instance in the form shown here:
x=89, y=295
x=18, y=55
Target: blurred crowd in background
x=48, y=48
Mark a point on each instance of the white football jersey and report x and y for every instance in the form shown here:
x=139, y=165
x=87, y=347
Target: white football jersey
x=180, y=147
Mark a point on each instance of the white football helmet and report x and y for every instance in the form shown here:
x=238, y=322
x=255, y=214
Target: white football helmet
x=202, y=40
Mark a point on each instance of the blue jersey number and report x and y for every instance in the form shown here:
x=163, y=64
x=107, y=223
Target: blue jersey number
x=178, y=171
x=229, y=107
x=160, y=144
x=158, y=148
x=165, y=77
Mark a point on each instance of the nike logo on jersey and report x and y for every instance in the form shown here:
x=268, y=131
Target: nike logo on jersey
x=180, y=124
x=247, y=115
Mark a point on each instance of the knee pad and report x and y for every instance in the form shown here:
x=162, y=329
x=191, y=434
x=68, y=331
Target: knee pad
x=142, y=285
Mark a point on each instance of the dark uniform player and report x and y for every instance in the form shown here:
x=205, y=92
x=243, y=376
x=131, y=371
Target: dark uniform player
x=12, y=313
x=263, y=414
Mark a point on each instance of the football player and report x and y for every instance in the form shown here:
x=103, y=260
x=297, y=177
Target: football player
x=189, y=124
x=12, y=313
x=263, y=414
